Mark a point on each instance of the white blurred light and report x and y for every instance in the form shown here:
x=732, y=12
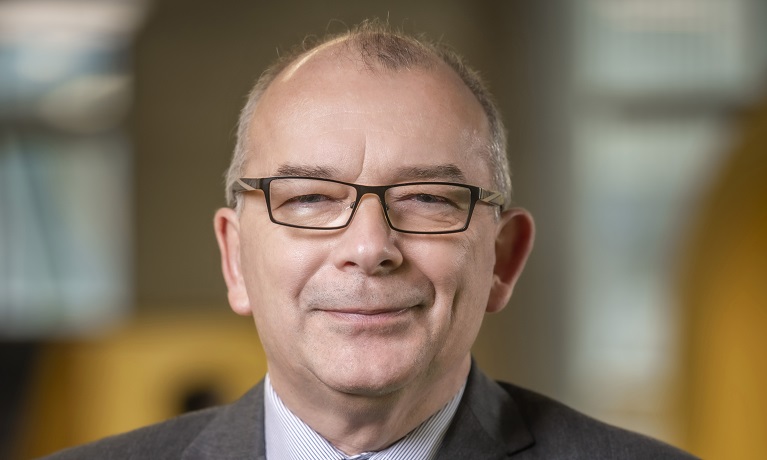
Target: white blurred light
x=69, y=23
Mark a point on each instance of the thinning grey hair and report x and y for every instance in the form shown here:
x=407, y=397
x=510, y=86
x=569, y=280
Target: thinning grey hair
x=380, y=47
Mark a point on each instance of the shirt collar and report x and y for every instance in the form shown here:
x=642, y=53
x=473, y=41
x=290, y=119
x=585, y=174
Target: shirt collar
x=288, y=437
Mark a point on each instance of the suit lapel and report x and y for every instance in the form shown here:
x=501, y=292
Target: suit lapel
x=236, y=433
x=487, y=424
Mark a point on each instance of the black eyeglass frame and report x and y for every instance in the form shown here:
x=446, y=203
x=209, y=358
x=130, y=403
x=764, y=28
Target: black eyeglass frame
x=478, y=194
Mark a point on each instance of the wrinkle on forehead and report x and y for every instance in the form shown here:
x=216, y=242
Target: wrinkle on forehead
x=425, y=172
x=404, y=122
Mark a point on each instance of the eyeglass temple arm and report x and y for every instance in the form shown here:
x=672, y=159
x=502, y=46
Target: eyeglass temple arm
x=242, y=186
x=491, y=197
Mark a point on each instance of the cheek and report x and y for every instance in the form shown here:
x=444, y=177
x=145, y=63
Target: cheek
x=276, y=267
x=461, y=272
x=458, y=268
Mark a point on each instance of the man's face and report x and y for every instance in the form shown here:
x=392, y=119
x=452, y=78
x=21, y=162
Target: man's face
x=364, y=310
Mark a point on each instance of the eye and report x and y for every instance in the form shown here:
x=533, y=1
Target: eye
x=424, y=201
x=309, y=199
x=427, y=198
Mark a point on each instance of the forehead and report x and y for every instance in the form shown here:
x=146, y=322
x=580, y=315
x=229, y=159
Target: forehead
x=329, y=106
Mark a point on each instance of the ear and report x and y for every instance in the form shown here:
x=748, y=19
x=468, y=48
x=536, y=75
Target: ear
x=512, y=247
x=226, y=224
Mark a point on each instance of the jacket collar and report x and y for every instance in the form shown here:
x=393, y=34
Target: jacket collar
x=236, y=433
x=487, y=425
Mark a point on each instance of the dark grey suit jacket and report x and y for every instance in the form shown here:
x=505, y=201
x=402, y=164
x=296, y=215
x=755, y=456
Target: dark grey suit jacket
x=493, y=421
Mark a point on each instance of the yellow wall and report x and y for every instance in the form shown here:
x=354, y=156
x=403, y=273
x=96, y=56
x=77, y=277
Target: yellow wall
x=725, y=298
x=138, y=375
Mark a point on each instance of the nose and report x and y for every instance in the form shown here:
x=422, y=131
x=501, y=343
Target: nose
x=367, y=244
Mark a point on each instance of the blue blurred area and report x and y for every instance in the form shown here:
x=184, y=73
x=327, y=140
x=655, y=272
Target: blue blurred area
x=65, y=232
x=65, y=167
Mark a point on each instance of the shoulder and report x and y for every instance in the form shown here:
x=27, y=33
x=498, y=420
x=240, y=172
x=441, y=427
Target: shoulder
x=163, y=440
x=559, y=430
x=507, y=420
x=205, y=434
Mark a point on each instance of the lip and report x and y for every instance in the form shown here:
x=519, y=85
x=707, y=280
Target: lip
x=368, y=316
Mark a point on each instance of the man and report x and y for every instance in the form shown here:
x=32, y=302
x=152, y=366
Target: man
x=369, y=231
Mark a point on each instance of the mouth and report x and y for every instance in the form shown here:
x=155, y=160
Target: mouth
x=369, y=316
x=369, y=312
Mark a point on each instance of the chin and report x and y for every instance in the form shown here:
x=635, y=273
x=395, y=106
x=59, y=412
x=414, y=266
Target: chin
x=368, y=389
x=372, y=379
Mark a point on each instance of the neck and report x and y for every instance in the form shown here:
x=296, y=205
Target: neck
x=363, y=423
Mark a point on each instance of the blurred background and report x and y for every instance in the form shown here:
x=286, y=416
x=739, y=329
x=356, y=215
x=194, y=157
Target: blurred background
x=638, y=139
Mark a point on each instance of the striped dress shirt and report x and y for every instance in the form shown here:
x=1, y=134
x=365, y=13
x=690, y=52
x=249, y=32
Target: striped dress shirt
x=289, y=438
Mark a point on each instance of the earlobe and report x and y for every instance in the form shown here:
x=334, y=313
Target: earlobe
x=226, y=224
x=512, y=247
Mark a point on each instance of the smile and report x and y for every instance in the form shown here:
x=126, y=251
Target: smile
x=369, y=317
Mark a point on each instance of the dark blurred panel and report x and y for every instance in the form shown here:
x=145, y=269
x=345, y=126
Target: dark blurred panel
x=16, y=363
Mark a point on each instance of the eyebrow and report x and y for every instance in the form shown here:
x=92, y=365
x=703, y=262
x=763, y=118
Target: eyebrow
x=323, y=172
x=446, y=172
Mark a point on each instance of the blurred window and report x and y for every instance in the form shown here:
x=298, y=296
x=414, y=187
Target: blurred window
x=65, y=165
x=653, y=84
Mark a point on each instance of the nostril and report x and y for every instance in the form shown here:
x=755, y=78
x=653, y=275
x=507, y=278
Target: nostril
x=387, y=264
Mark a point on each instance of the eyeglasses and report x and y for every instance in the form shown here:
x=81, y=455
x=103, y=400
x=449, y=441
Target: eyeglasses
x=326, y=204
